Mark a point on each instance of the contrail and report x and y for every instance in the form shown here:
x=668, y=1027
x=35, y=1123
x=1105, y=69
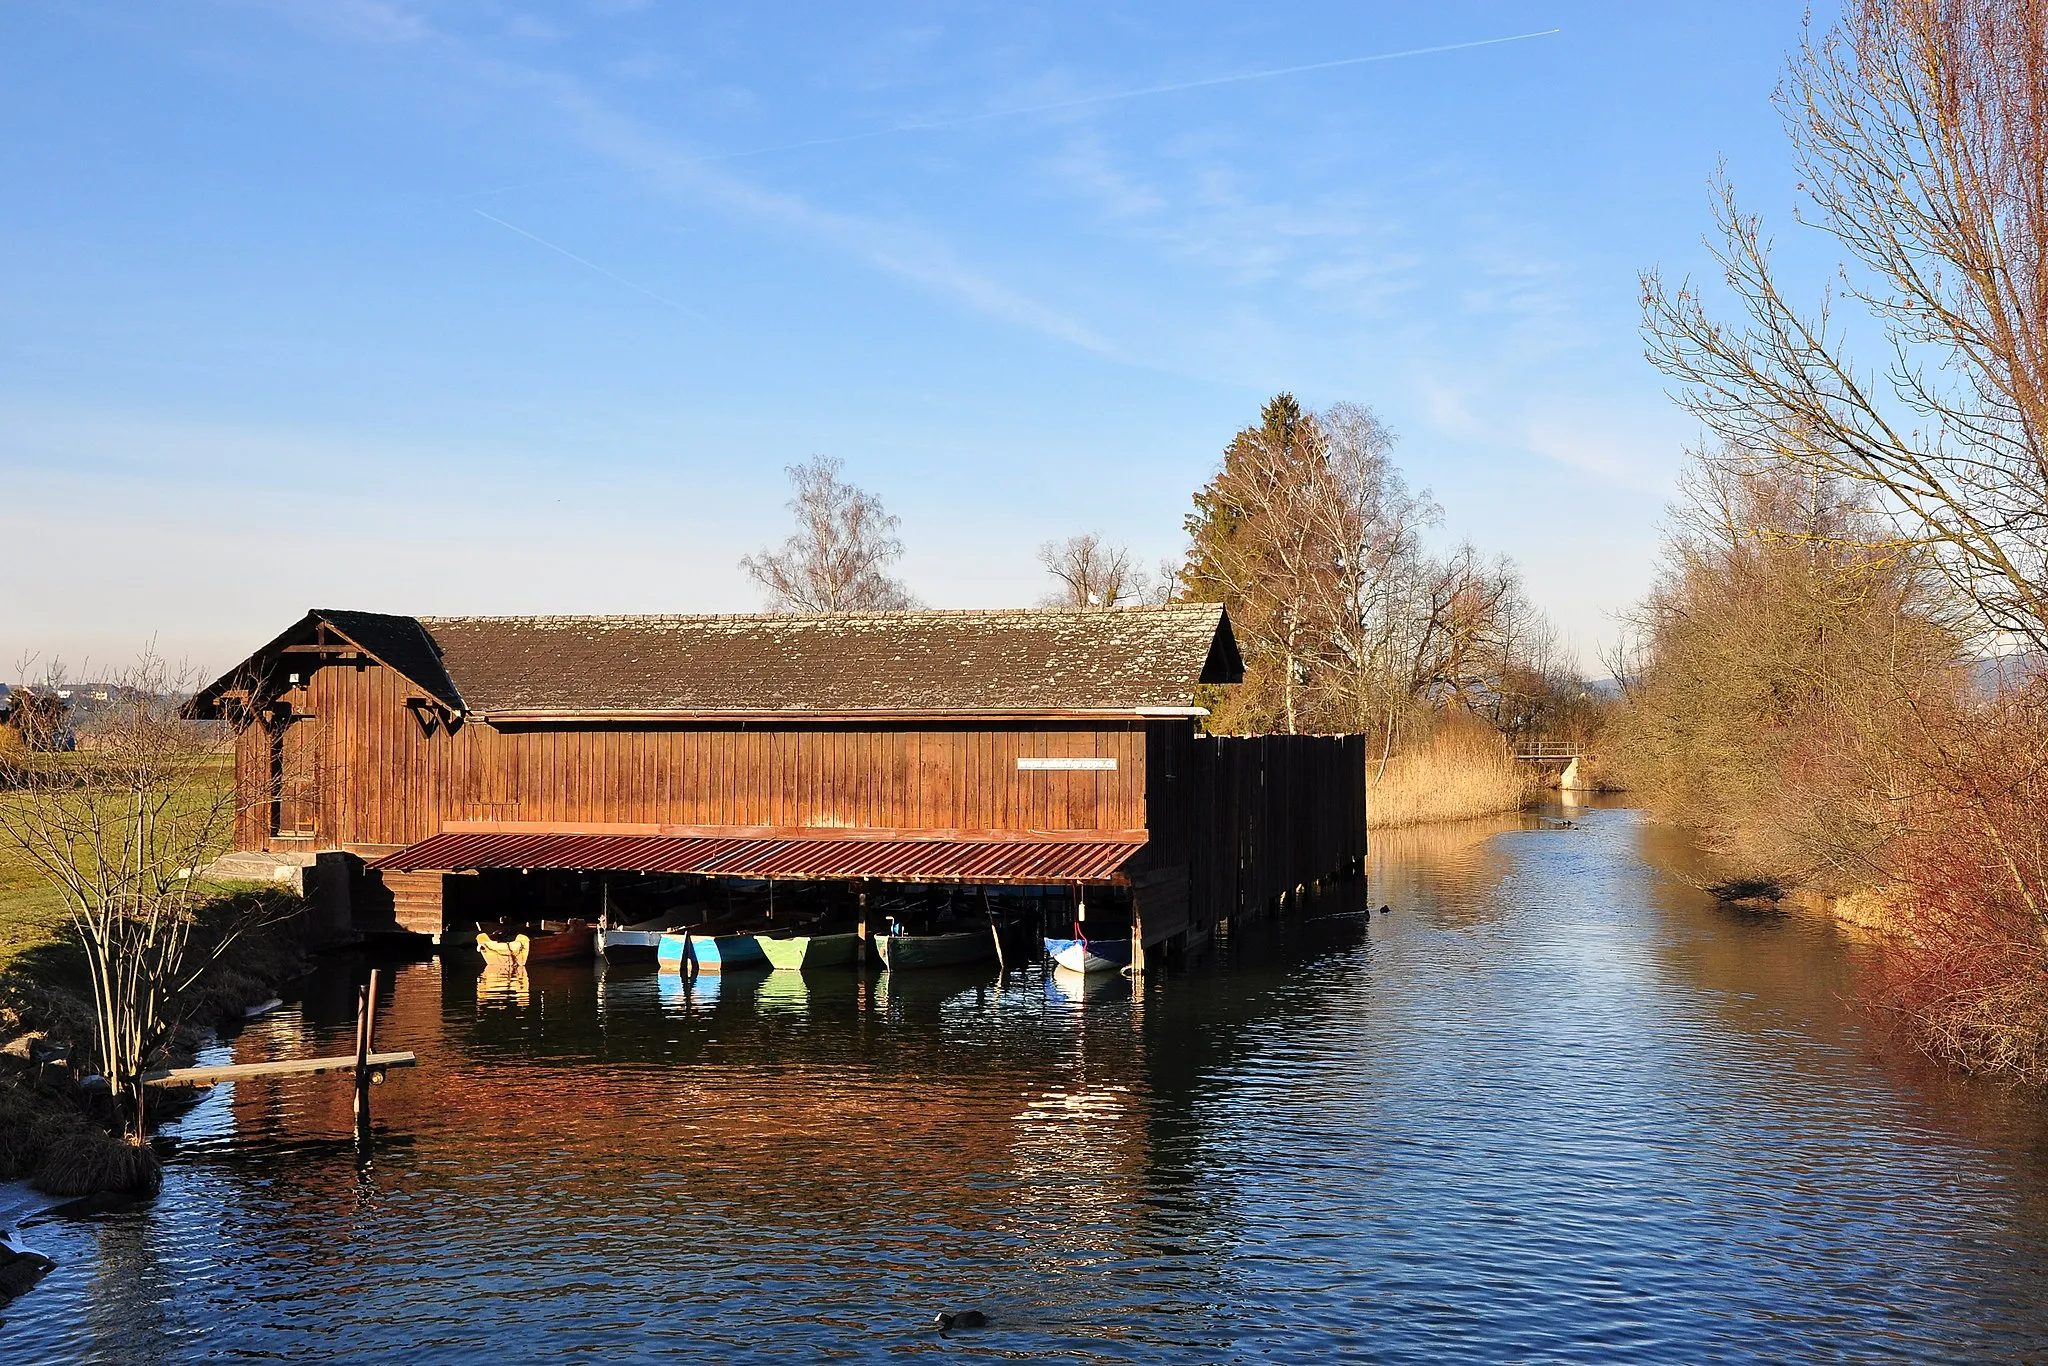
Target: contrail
x=592, y=265
x=1149, y=90
x=1057, y=105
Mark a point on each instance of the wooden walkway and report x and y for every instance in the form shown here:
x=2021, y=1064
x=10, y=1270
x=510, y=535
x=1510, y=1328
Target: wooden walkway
x=366, y=1064
x=288, y=1067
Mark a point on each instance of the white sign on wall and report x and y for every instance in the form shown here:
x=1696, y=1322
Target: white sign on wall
x=1065, y=765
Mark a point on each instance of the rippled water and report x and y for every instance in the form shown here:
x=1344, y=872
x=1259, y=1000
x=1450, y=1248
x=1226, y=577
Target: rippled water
x=1555, y=1106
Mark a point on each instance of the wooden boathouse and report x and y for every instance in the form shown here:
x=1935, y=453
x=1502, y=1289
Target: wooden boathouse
x=462, y=759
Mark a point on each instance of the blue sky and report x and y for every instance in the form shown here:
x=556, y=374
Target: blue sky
x=459, y=306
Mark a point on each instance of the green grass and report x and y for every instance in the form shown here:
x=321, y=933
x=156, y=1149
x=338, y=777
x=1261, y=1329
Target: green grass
x=32, y=911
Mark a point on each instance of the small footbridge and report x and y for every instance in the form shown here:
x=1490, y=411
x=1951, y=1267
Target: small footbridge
x=1564, y=754
x=1550, y=751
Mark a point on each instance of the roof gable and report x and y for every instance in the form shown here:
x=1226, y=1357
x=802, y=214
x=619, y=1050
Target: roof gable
x=399, y=643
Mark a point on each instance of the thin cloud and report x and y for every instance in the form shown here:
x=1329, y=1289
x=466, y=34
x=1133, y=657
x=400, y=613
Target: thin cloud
x=1052, y=107
x=910, y=253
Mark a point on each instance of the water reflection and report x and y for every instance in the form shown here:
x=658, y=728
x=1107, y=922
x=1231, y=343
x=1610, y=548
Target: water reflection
x=1555, y=1104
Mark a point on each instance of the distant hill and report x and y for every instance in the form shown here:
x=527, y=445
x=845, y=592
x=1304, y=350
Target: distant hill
x=1989, y=675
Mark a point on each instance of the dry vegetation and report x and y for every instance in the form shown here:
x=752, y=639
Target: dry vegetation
x=1461, y=771
x=115, y=953
x=1860, y=532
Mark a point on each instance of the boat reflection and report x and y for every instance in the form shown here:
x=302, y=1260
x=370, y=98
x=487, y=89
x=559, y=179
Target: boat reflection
x=1082, y=989
x=503, y=986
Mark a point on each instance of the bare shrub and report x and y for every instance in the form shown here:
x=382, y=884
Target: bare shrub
x=1787, y=648
x=1971, y=970
x=120, y=827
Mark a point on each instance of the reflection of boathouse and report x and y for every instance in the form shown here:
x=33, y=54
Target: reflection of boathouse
x=991, y=750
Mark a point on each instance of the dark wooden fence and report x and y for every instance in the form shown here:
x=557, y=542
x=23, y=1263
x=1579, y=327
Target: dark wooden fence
x=1272, y=813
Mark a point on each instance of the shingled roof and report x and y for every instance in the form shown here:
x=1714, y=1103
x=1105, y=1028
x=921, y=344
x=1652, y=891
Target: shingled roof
x=914, y=663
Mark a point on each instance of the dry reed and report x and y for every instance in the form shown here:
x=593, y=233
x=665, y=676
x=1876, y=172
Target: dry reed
x=1461, y=771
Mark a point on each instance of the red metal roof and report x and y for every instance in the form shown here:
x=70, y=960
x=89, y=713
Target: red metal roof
x=1083, y=857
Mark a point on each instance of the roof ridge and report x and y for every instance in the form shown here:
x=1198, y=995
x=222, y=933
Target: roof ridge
x=821, y=617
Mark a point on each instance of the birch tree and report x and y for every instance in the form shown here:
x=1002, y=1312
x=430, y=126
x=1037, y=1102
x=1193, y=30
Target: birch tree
x=1347, y=620
x=839, y=557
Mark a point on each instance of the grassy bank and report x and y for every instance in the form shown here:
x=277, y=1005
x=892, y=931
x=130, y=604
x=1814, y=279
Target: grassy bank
x=32, y=913
x=59, y=1135
x=1459, y=773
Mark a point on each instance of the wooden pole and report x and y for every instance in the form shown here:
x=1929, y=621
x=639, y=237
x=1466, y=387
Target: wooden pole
x=995, y=932
x=366, y=1026
x=1137, y=968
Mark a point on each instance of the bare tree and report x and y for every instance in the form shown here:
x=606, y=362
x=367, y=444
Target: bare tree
x=121, y=827
x=839, y=557
x=1093, y=573
x=1349, y=623
x=1921, y=129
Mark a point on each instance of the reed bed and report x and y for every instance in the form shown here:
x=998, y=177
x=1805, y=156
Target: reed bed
x=1460, y=772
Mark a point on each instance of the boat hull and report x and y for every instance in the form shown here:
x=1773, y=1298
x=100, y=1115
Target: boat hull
x=575, y=943
x=1090, y=955
x=799, y=952
x=572, y=941
x=612, y=943
x=504, y=955
x=644, y=936
x=715, y=953
x=934, y=950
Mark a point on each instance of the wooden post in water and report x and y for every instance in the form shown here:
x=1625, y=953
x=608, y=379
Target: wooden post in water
x=995, y=932
x=1137, y=968
x=366, y=1026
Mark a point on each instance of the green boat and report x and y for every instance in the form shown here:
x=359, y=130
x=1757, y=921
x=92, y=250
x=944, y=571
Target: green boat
x=934, y=950
x=798, y=952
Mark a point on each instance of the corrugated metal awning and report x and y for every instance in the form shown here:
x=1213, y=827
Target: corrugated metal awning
x=1083, y=857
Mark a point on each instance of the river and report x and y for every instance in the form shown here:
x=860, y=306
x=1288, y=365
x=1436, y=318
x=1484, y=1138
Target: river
x=1555, y=1105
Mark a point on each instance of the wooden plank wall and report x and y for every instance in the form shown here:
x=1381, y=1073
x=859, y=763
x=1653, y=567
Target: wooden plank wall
x=383, y=781
x=1270, y=813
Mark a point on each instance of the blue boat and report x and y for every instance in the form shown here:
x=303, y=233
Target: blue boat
x=1090, y=955
x=710, y=953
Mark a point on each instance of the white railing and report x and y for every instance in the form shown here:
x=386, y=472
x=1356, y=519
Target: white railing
x=1546, y=751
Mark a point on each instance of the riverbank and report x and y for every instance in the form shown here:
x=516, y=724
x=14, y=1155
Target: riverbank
x=60, y=1133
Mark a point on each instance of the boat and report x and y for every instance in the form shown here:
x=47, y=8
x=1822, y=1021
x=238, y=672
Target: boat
x=644, y=936
x=687, y=952
x=559, y=941
x=502, y=955
x=1089, y=955
x=797, y=952
x=935, y=950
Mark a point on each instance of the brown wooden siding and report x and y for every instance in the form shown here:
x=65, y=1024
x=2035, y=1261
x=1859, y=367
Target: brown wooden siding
x=383, y=781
